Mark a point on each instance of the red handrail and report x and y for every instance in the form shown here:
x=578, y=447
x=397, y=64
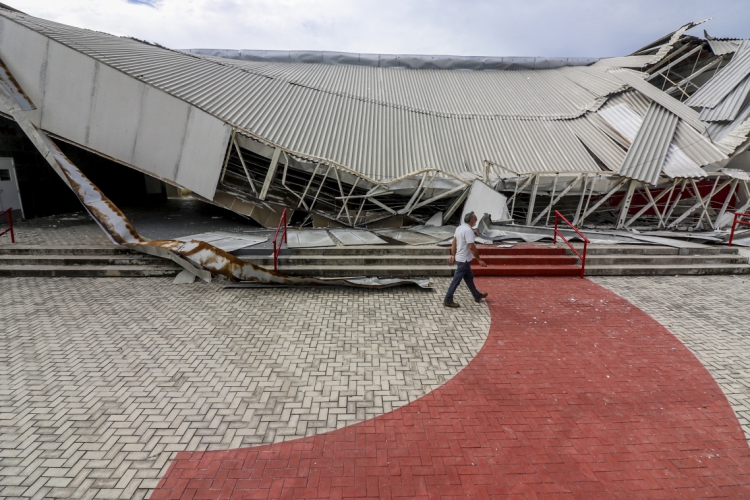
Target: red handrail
x=277, y=247
x=586, y=241
x=737, y=220
x=10, y=225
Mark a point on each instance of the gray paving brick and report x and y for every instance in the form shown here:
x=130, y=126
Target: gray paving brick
x=102, y=381
x=710, y=315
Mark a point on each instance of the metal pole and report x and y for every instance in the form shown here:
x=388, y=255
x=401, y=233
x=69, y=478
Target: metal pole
x=626, y=204
x=580, y=200
x=724, y=207
x=551, y=199
x=532, y=200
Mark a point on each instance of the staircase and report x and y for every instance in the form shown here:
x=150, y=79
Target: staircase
x=647, y=260
x=81, y=261
x=390, y=261
x=527, y=260
x=521, y=260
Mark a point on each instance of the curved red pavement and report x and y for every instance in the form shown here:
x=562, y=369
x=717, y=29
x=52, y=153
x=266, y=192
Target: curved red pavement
x=576, y=394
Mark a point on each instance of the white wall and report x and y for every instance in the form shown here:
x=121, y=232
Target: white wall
x=96, y=106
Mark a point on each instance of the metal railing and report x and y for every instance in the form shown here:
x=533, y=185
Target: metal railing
x=277, y=244
x=737, y=220
x=10, y=225
x=586, y=241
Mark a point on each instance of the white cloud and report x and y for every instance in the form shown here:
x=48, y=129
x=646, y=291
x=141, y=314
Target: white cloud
x=470, y=27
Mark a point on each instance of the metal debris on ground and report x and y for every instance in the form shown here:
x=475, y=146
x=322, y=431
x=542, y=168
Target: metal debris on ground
x=353, y=237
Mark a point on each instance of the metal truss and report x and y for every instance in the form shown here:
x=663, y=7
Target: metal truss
x=673, y=203
x=330, y=190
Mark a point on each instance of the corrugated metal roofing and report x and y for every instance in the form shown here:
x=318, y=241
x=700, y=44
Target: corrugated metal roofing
x=635, y=100
x=718, y=87
x=722, y=47
x=730, y=135
x=211, y=82
x=680, y=109
x=386, y=122
x=408, y=61
x=382, y=122
x=623, y=119
x=649, y=150
x=561, y=93
x=698, y=149
x=625, y=62
x=688, y=152
x=667, y=47
x=728, y=108
x=599, y=143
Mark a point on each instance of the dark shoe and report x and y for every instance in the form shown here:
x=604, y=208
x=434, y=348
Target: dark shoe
x=451, y=304
x=482, y=296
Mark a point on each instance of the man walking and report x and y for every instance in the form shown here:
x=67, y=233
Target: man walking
x=463, y=250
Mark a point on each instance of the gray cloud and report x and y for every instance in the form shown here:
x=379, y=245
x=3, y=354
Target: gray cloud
x=594, y=28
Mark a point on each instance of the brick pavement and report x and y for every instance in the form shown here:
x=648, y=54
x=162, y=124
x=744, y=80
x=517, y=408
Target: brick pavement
x=103, y=381
x=167, y=219
x=576, y=394
x=710, y=315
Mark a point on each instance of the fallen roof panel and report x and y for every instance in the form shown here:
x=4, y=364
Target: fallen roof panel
x=730, y=106
x=725, y=81
x=649, y=150
x=680, y=109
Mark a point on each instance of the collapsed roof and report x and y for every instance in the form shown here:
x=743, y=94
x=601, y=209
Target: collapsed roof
x=357, y=138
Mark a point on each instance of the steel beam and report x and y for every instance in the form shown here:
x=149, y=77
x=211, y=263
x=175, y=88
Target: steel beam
x=242, y=161
x=626, y=203
x=271, y=173
x=556, y=200
x=724, y=207
x=653, y=201
x=603, y=199
x=532, y=200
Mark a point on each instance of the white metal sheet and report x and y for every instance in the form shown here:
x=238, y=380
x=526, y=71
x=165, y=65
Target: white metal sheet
x=308, y=238
x=485, y=200
x=161, y=132
x=115, y=113
x=24, y=52
x=66, y=108
x=670, y=242
x=442, y=232
x=228, y=242
x=435, y=220
x=351, y=237
x=408, y=237
x=203, y=151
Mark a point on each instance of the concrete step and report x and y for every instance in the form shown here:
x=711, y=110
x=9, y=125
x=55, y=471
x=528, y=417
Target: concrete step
x=534, y=270
x=530, y=260
x=353, y=260
x=88, y=271
x=664, y=260
x=653, y=250
x=667, y=270
x=373, y=250
x=335, y=271
x=66, y=250
x=80, y=260
x=520, y=250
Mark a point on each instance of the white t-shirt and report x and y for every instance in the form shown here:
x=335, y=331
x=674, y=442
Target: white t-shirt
x=464, y=235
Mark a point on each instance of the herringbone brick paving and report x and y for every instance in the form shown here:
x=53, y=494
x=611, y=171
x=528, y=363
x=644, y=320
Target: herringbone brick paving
x=103, y=381
x=710, y=315
x=576, y=394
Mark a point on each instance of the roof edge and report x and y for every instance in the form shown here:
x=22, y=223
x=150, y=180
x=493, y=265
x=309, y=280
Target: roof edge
x=407, y=61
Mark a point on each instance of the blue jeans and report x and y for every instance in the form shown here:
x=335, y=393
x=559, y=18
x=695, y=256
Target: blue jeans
x=463, y=272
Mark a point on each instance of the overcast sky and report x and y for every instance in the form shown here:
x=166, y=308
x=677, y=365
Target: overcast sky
x=588, y=28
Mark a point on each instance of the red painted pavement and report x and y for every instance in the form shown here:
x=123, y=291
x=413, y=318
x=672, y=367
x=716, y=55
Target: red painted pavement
x=576, y=394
